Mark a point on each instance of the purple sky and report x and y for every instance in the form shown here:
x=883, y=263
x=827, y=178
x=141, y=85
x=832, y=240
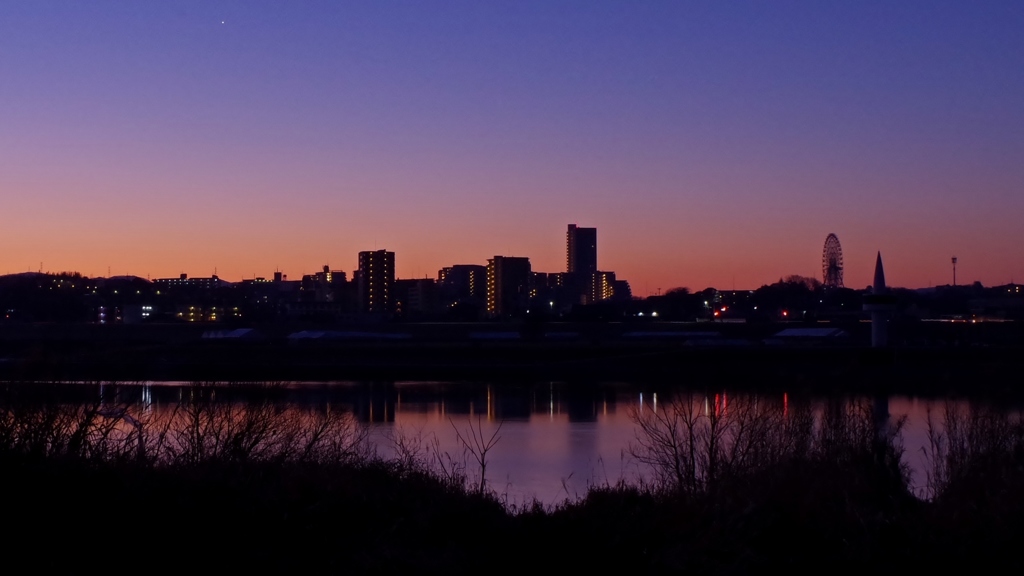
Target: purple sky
x=711, y=143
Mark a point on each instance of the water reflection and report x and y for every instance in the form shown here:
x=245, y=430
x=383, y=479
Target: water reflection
x=556, y=439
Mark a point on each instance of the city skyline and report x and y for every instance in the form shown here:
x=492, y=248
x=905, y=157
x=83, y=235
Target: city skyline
x=355, y=269
x=713, y=145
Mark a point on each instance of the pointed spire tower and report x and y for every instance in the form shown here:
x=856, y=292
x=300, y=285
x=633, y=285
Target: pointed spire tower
x=878, y=286
x=880, y=304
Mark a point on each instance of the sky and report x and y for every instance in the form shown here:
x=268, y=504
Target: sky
x=710, y=143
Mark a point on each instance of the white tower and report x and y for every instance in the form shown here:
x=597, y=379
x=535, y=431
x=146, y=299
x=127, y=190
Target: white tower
x=880, y=304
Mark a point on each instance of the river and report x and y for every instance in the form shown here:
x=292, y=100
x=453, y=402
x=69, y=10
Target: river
x=544, y=441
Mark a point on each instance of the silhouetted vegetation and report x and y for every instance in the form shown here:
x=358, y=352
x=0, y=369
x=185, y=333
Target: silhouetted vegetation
x=239, y=482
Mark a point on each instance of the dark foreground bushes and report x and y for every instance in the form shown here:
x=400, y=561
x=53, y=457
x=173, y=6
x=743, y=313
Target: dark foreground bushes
x=250, y=486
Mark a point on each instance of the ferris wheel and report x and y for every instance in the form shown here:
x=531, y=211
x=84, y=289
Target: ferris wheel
x=832, y=262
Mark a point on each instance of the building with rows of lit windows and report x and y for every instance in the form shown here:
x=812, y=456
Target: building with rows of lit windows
x=375, y=279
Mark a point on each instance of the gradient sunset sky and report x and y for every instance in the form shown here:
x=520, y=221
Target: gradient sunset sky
x=711, y=143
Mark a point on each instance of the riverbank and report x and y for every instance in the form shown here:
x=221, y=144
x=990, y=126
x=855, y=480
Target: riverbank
x=929, y=359
x=845, y=369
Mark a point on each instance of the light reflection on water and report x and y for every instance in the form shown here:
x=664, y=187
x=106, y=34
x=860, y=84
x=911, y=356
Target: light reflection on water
x=554, y=439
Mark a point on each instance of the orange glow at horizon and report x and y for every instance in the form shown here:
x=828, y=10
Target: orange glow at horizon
x=151, y=143
x=652, y=250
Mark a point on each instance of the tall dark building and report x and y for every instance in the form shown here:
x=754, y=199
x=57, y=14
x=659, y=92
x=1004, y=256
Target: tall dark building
x=376, y=280
x=581, y=250
x=463, y=281
x=416, y=297
x=508, y=285
x=462, y=290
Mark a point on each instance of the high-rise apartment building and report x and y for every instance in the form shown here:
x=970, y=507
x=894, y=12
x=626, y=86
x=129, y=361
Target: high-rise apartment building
x=602, y=286
x=581, y=250
x=508, y=285
x=376, y=281
x=415, y=296
x=463, y=281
